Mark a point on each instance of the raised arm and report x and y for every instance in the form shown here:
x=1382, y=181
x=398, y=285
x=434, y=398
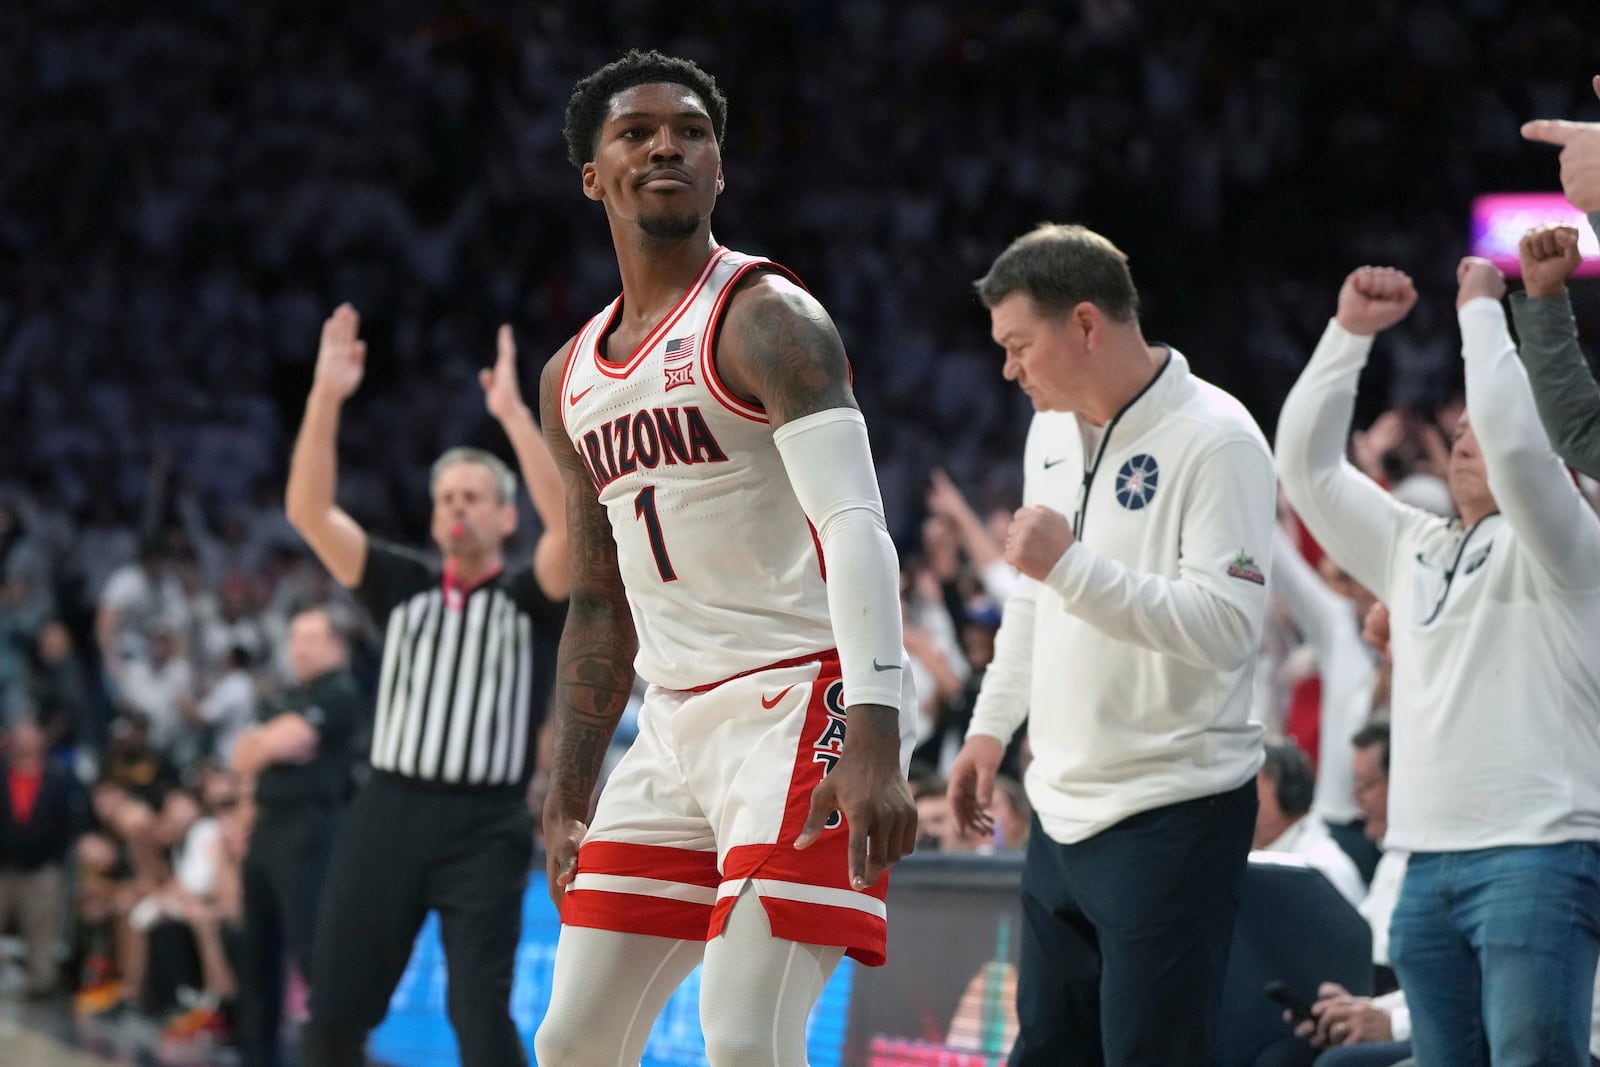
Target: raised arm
x=337, y=539
x=1530, y=485
x=1354, y=519
x=781, y=350
x=594, y=666
x=1563, y=387
x=502, y=395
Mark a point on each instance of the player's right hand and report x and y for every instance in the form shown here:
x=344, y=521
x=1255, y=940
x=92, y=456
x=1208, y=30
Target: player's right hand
x=562, y=836
x=972, y=782
x=1548, y=255
x=1477, y=277
x=1374, y=299
x=342, y=356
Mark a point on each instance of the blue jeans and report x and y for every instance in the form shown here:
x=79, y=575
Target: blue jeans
x=1496, y=950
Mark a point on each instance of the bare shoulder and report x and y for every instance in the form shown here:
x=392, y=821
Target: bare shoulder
x=550, y=389
x=779, y=347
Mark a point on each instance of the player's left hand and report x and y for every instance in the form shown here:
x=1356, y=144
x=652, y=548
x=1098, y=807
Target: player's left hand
x=502, y=394
x=1037, y=539
x=868, y=786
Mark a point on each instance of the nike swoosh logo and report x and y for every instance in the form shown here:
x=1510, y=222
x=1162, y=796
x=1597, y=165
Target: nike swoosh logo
x=880, y=667
x=769, y=704
x=573, y=398
x=1047, y=463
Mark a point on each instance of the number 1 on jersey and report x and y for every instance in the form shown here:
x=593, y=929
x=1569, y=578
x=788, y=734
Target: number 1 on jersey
x=644, y=507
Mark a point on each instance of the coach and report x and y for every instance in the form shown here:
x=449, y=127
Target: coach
x=443, y=823
x=1129, y=646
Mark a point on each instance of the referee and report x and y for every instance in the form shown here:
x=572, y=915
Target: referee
x=299, y=759
x=443, y=823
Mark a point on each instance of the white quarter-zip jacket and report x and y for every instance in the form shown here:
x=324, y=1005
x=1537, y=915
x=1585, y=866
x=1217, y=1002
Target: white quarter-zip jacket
x=1133, y=660
x=1494, y=630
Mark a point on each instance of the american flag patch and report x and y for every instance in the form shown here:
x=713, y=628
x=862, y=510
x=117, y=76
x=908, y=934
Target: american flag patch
x=677, y=376
x=680, y=347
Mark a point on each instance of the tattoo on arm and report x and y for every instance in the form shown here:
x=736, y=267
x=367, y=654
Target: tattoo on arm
x=785, y=349
x=594, y=667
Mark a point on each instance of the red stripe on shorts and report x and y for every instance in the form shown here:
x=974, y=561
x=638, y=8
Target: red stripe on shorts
x=633, y=913
x=650, y=861
x=825, y=863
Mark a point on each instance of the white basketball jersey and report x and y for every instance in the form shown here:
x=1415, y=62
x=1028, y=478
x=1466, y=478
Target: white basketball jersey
x=723, y=571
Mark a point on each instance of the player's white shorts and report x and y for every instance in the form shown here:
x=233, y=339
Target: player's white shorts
x=710, y=798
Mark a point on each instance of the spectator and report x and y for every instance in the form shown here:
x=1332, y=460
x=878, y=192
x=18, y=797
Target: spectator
x=1327, y=606
x=1495, y=611
x=41, y=814
x=60, y=689
x=1284, y=788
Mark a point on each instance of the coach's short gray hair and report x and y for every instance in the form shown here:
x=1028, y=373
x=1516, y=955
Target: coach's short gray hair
x=505, y=483
x=1059, y=265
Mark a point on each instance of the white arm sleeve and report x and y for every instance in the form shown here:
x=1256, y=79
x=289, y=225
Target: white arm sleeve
x=829, y=461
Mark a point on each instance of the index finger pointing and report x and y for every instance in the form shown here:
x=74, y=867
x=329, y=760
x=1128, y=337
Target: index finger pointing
x=1555, y=131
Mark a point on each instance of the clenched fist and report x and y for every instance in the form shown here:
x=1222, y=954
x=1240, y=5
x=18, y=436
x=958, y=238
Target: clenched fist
x=1549, y=255
x=1374, y=299
x=1037, y=539
x=1476, y=277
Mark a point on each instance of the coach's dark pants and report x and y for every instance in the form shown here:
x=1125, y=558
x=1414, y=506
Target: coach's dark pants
x=284, y=870
x=1126, y=936
x=402, y=850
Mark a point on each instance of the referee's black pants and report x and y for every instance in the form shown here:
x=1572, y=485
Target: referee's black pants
x=1125, y=936
x=284, y=869
x=404, y=849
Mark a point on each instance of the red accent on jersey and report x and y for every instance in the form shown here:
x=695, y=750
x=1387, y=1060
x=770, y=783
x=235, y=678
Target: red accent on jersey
x=622, y=370
x=770, y=704
x=708, y=361
x=827, y=657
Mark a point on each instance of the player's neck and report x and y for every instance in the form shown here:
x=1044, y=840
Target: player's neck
x=656, y=273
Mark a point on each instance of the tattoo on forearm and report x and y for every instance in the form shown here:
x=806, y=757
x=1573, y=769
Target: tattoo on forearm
x=594, y=667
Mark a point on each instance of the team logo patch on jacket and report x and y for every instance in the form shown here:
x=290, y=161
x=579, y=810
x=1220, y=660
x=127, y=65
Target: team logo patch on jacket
x=1136, y=481
x=1243, y=566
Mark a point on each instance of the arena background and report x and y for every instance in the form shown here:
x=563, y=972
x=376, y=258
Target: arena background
x=187, y=188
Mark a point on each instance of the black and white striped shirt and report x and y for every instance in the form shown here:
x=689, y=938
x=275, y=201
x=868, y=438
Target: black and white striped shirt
x=465, y=674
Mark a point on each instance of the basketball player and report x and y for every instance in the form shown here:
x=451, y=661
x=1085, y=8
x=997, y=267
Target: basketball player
x=728, y=541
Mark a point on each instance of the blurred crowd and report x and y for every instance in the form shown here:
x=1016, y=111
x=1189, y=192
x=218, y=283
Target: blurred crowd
x=187, y=190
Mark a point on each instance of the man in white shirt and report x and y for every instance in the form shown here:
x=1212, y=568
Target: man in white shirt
x=1284, y=823
x=1327, y=608
x=1495, y=790
x=1129, y=645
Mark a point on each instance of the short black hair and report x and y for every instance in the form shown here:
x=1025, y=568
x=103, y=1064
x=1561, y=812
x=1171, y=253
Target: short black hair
x=591, y=97
x=1290, y=772
x=1059, y=265
x=1375, y=733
